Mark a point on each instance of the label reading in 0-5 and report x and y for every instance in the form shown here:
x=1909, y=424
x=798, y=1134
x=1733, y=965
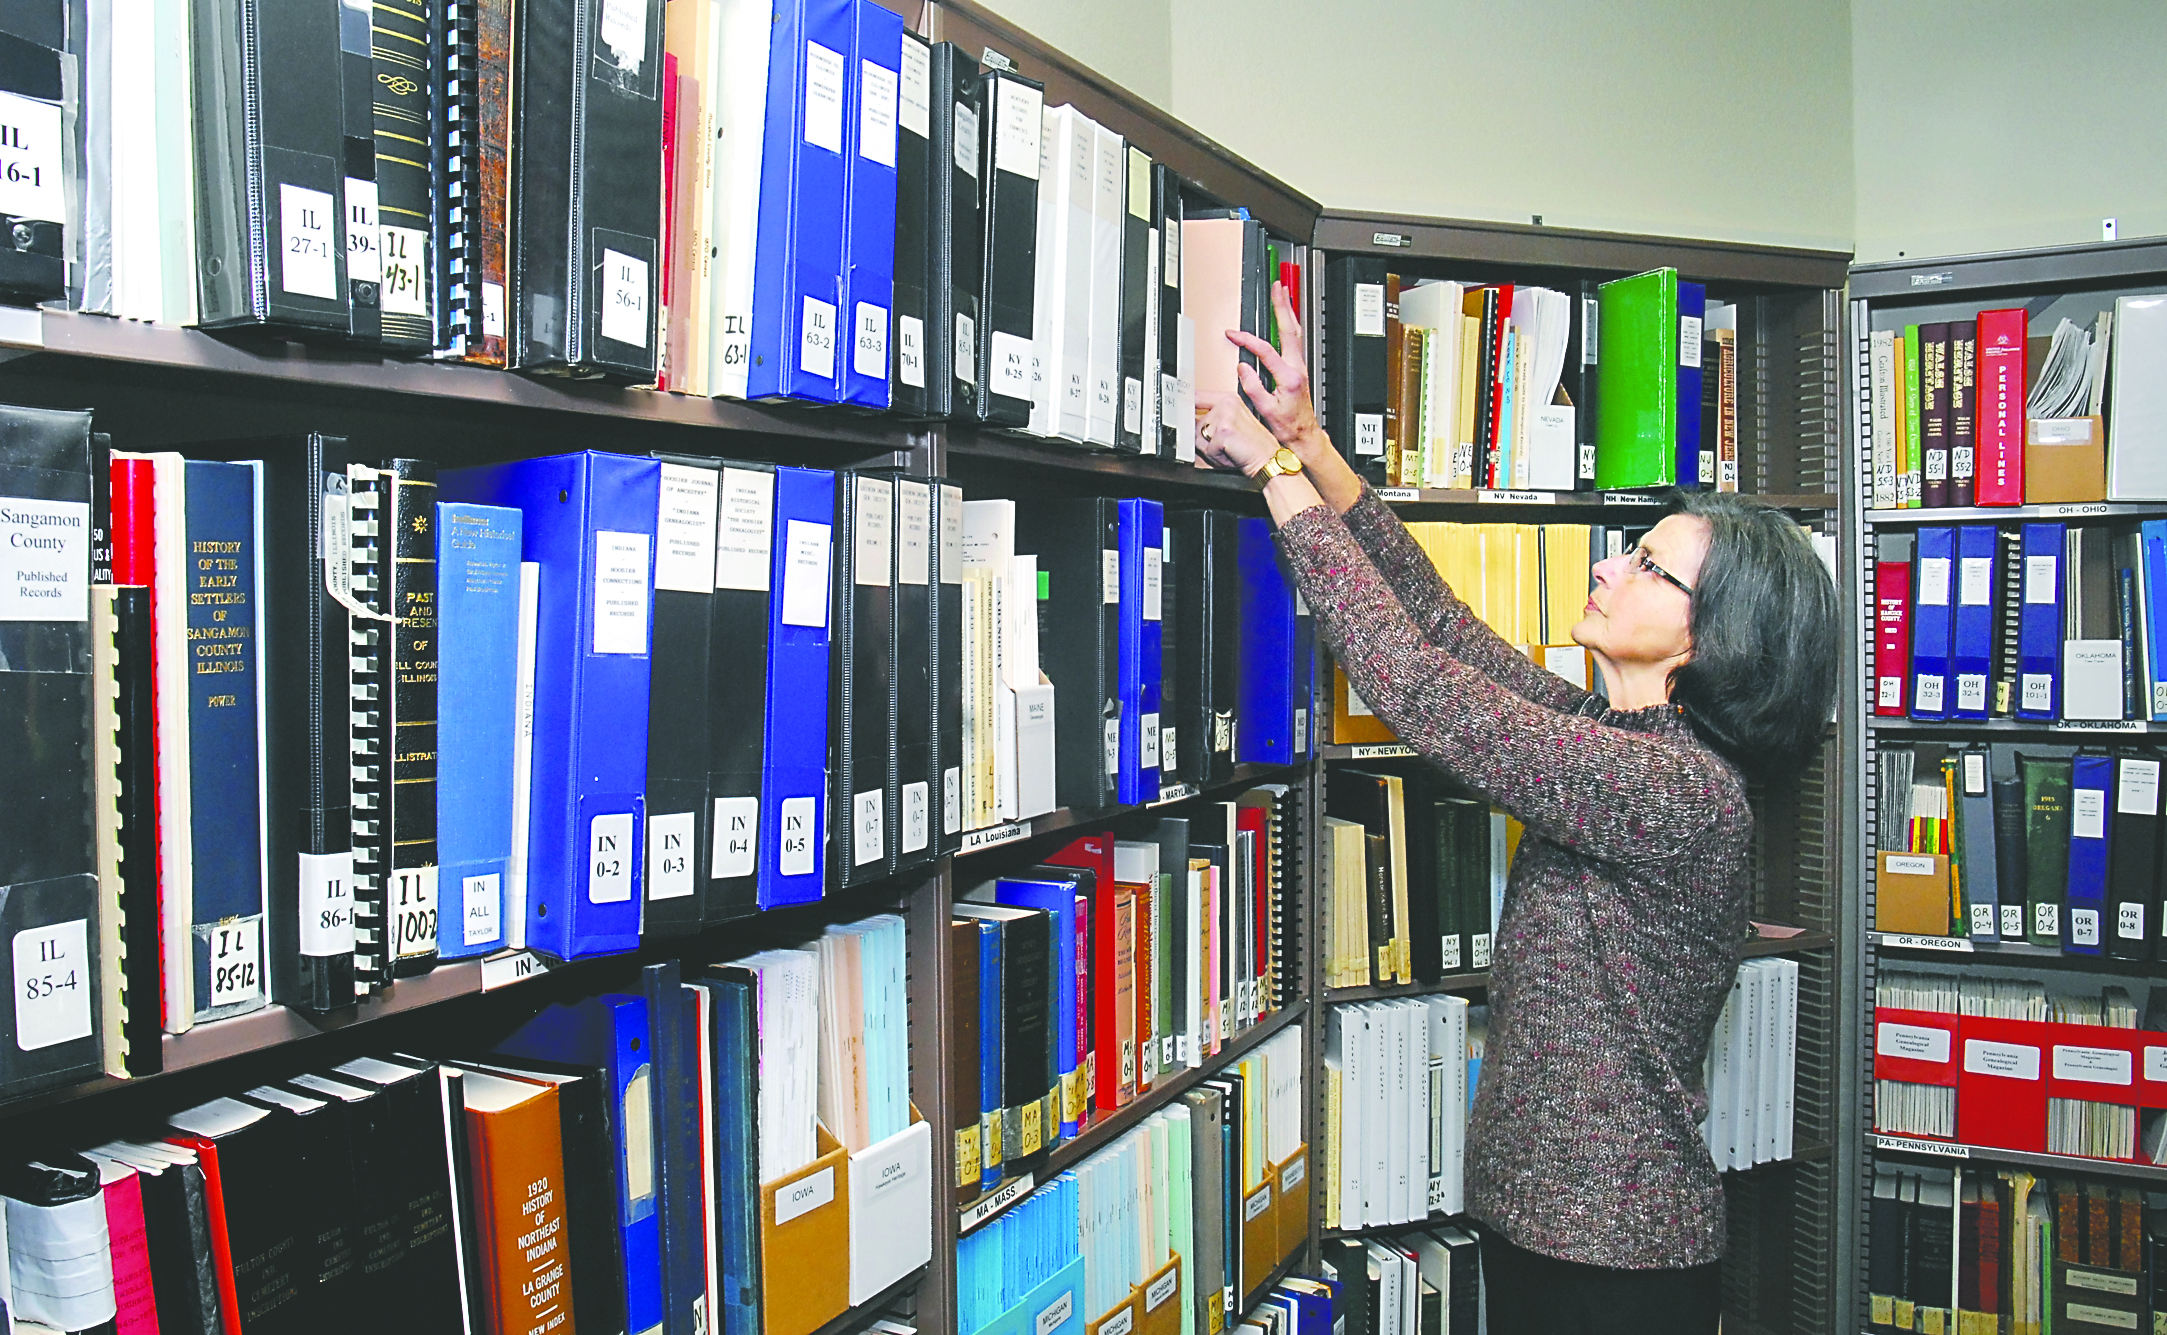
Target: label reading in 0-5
x=413, y=911
x=52, y=984
x=236, y=961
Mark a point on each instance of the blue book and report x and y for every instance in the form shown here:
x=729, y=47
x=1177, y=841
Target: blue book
x=1058, y=900
x=798, y=264
x=1264, y=729
x=224, y=528
x=2091, y=781
x=1305, y=679
x=477, y=639
x=611, y=1032
x=1971, y=650
x=794, y=773
x=590, y=524
x=1932, y=622
x=989, y=1053
x=1142, y=535
x=2039, y=624
x=2153, y=541
x=1692, y=305
x=869, y=191
x=674, y=1025
x=736, y=1150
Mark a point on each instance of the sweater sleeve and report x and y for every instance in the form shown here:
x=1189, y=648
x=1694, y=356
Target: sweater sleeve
x=1439, y=615
x=1612, y=793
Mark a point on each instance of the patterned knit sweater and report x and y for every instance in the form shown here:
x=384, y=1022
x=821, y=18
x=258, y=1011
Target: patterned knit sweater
x=1623, y=917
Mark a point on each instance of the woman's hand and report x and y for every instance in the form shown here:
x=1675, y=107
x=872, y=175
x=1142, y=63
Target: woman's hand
x=1286, y=408
x=1228, y=436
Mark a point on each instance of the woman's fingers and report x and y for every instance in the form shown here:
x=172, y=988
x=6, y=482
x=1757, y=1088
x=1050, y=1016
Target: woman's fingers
x=1290, y=328
x=1288, y=374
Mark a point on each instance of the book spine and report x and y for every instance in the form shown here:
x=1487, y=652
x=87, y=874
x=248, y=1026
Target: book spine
x=1934, y=399
x=371, y=701
x=478, y=581
x=2001, y=344
x=410, y=542
x=1892, y=635
x=1963, y=412
x=405, y=70
x=1395, y=382
x=486, y=103
x=674, y=879
x=1910, y=419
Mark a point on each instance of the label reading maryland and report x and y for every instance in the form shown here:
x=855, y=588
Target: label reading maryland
x=620, y=592
x=736, y=836
x=44, y=560
x=52, y=984
x=609, y=858
x=670, y=841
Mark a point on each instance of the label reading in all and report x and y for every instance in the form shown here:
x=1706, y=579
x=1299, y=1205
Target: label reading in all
x=914, y=559
x=1010, y=372
x=916, y=93
x=236, y=961
x=816, y=339
x=1689, y=340
x=2095, y=1066
x=2084, y=927
x=869, y=341
x=609, y=858
x=326, y=909
x=1934, y=581
x=1975, y=581
x=481, y=902
x=413, y=911
x=44, y=559
x=308, y=265
x=1911, y=1041
x=31, y=183
x=966, y=358
x=967, y=138
x=805, y=574
x=910, y=350
x=1153, y=584
x=745, y=529
x=2088, y=814
x=685, y=529
x=52, y=984
x=800, y=828
x=869, y=827
x=624, y=298
x=404, y=289
x=917, y=819
x=1369, y=434
x=1018, y=118
x=2013, y=1061
x=876, y=112
x=809, y=1193
x=736, y=836
x=1369, y=310
x=620, y=592
x=669, y=855
x=364, y=258
x=873, y=555
x=2041, y=581
x=1110, y=576
x=823, y=98
x=2136, y=791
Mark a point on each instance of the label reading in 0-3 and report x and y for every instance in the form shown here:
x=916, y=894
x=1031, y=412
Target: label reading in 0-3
x=236, y=961
x=669, y=855
x=413, y=911
x=307, y=225
x=52, y=984
x=30, y=180
x=327, y=904
x=609, y=858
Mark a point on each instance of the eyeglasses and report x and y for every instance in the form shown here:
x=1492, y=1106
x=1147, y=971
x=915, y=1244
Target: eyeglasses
x=1640, y=559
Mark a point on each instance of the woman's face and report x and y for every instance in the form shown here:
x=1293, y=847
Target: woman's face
x=1635, y=615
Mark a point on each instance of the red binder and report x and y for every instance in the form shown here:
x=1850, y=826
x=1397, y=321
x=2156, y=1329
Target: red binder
x=1892, y=628
x=2093, y=1063
x=2001, y=1090
x=1918, y=1047
x=2001, y=407
x=1095, y=854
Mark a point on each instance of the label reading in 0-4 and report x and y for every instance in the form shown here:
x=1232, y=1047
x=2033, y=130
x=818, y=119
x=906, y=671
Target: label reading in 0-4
x=236, y=961
x=413, y=911
x=52, y=984
x=30, y=180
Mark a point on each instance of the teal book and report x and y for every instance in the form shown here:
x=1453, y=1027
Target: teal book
x=223, y=528
x=477, y=572
x=1637, y=381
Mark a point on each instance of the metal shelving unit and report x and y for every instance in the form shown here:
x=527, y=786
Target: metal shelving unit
x=2047, y=283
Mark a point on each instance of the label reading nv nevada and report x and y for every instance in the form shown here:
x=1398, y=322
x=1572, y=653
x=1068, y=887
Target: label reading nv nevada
x=816, y=339
x=308, y=265
x=413, y=911
x=736, y=836
x=326, y=908
x=876, y=113
x=620, y=592
x=236, y=960
x=669, y=855
x=799, y=828
x=481, y=908
x=52, y=984
x=44, y=557
x=31, y=184
x=609, y=858
x=805, y=574
x=624, y=298
x=745, y=529
x=823, y=98
x=685, y=529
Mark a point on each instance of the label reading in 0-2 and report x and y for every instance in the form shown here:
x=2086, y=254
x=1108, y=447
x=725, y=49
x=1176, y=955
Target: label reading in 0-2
x=52, y=984
x=413, y=911
x=609, y=858
x=236, y=961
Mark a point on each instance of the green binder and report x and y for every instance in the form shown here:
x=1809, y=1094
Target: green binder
x=2047, y=803
x=1908, y=468
x=1637, y=381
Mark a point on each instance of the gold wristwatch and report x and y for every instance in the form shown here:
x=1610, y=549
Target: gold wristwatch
x=1283, y=461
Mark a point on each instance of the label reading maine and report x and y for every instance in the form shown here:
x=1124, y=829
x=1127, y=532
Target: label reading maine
x=745, y=529
x=669, y=855
x=805, y=574
x=624, y=298
x=326, y=909
x=620, y=592
x=823, y=98
x=52, y=984
x=44, y=560
x=609, y=858
x=308, y=266
x=481, y=900
x=685, y=529
x=736, y=836
x=799, y=826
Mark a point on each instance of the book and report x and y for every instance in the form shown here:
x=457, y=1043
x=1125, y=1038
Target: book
x=2001, y=416
x=1011, y=112
x=958, y=245
x=871, y=186
x=1637, y=380
x=402, y=837
x=478, y=552
x=517, y=1187
x=676, y=889
x=255, y=1222
x=1934, y=413
x=1963, y=411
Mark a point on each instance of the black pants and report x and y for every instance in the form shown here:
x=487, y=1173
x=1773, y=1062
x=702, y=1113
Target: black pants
x=1527, y=1293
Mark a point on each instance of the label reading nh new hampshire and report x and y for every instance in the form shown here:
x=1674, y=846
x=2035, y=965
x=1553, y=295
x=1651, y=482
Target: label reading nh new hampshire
x=52, y=984
x=620, y=592
x=736, y=836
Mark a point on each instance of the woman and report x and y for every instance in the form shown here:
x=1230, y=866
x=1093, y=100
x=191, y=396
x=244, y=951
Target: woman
x=1599, y=1206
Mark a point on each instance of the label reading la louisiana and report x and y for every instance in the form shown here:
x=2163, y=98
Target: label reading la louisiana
x=669, y=855
x=413, y=911
x=236, y=946
x=609, y=858
x=52, y=984
x=996, y=834
x=326, y=908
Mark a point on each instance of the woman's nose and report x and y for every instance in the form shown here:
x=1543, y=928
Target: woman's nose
x=1610, y=571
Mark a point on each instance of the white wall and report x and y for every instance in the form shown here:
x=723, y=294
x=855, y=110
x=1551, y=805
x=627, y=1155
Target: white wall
x=1727, y=119
x=1128, y=41
x=1995, y=124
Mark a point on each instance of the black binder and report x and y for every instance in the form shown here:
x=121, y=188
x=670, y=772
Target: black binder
x=408, y=152
x=1137, y=292
x=271, y=244
x=1166, y=209
x=34, y=64
x=674, y=872
x=176, y=1235
x=908, y=387
x=1011, y=110
x=2133, y=855
x=916, y=709
x=1206, y=603
x=1355, y=403
x=737, y=651
x=1078, y=543
x=946, y=618
x=308, y=719
x=357, y=156
x=861, y=729
x=336, y=1288
x=408, y=513
x=586, y=190
x=958, y=254
x=257, y=1151
x=138, y=829
x=407, y=1144
x=1173, y=633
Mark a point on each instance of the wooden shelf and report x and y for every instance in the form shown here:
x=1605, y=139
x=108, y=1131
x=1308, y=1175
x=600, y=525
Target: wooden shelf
x=973, y=450
x=1065, y=818
x=2061, y=1163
